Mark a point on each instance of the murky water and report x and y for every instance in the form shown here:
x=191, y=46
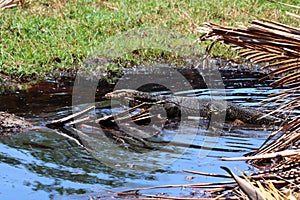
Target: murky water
x=41, y=164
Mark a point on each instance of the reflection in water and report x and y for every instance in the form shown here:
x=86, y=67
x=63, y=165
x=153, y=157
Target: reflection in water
x=65, y=170
x=42, y=164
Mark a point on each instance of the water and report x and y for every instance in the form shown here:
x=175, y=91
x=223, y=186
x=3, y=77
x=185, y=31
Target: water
x=41, y=164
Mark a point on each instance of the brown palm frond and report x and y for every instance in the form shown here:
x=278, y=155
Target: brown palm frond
x=278, y=46
x=11, y=3
x=293, y=14
x=285, y=4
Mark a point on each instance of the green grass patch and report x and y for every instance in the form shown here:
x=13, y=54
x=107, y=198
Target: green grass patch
x=45, y=36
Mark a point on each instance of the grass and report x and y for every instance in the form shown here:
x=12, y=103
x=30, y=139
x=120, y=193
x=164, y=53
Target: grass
x=45, y=36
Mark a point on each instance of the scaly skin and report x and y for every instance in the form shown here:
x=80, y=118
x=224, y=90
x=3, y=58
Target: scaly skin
x=203, y=107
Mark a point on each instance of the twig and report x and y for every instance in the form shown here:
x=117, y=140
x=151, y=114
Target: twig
x=207, y=174
x=69, y=118
x=293, y=14
x=202, y=185
x=266, y=156
x=285, y=4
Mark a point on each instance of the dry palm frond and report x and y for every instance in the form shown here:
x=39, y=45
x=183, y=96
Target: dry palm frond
x=249, y=189
x=278, y=45
x=285, y=4
x=293, y=15
x=11, y=3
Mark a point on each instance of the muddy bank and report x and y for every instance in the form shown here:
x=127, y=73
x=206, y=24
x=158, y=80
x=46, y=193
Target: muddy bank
x=10, y=124
x=109, y=71
x=234, y=75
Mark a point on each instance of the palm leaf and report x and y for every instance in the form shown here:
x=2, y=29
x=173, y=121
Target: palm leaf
x=278, y=46
x=10, y=3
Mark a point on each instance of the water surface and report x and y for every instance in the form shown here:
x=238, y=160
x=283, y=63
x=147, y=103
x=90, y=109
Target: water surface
x=42, y=164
